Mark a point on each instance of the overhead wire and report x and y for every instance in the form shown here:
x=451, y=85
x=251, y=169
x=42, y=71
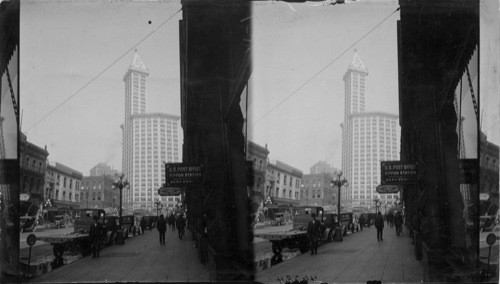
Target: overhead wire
x=104, y=70
x=323, y=69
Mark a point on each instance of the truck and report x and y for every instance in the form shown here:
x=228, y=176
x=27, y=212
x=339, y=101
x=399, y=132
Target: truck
x=297, y=236
x=78, y=240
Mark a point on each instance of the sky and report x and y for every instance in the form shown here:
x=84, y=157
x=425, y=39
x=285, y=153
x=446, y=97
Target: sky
x=63, y=46
x=294, y=41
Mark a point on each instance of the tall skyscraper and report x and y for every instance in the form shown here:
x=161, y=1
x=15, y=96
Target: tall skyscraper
x=149, y=141
x=367, y=139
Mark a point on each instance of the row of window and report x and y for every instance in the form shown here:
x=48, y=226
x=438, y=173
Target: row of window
x=55, y=195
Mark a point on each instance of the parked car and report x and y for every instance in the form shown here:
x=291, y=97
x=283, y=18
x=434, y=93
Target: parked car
x=486, y=223
x=60, y=221
x=27, y=224
x=128, y=225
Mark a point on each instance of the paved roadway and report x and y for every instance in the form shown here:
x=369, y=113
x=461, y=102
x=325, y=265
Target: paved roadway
x=142, y=258
x=359, y=258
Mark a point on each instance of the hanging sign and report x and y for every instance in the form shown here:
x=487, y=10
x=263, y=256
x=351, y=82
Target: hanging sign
x=24, y=197
x=169, y=191
x=398, y=173
x=180, y=174
x=383, y=189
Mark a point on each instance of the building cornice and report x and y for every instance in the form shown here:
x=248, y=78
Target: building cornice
x=154, y=114
x=373, y=113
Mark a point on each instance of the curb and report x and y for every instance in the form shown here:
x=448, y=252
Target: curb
x=45, y=265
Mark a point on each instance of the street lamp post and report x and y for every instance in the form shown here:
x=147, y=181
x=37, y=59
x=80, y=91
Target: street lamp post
x=377, y=204
x=120, y=183
x=159, y=207
x=339, y=182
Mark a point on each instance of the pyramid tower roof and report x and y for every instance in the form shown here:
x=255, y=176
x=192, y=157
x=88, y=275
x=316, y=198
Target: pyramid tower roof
x=357, y=64
x=138, y=64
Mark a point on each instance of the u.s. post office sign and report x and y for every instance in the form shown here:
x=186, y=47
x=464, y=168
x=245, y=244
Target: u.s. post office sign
x=180, y=174
x=398, y=173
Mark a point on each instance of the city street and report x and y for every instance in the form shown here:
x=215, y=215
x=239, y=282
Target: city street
x=262, y=245
x=142, y=258
x=358, y=258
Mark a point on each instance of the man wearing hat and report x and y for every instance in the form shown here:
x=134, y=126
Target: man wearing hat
x=95, y=234
x=313, y=232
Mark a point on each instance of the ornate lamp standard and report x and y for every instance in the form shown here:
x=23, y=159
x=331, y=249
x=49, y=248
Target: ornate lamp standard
x=377, y=204
x=48, y=204
x=159, y=207
x=120, y=183
x=339, y=182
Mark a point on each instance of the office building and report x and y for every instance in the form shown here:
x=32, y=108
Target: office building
x=149, y=141
x=367, y=139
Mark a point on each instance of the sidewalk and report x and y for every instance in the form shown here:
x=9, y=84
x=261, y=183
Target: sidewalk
x=141, y=259
x=357, y=259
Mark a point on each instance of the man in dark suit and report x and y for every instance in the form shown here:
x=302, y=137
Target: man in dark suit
x=361, y=222
x=379, y=224
x=95, y=234
x=313, y=233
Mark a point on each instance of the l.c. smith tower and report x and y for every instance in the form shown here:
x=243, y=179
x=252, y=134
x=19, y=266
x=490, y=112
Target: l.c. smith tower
x=367, y=139
x=149, y=140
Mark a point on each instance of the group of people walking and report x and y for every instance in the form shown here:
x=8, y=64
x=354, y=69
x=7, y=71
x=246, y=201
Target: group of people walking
x=174, y=221
x=393, y=219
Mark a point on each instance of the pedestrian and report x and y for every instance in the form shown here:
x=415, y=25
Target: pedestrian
x=313, y=233
x=361, y=222
x=391, y=219
x=379, y=224
x=398, y=222
x=172, y=221
x=143, y=224
x=95, y=235
x=162, y=228
x=181, y=224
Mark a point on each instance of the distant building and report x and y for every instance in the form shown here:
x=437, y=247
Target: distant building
x=97, y=191
x=489, y=179
x=367, y=139
x=62, y=187
x=258, y=156
x=322, y=167
x=103, y=169
x=32, y=165
x=316, y=189
x=149, y=141
x=286, y=188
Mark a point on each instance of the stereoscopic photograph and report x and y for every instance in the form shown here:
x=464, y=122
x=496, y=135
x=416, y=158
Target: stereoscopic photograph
x=336, y=141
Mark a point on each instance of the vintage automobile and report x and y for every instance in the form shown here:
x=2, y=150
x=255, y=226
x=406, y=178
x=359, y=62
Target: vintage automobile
x=60, y=221
x=128, y=225
x=486, y=223
x=78, y=240
x=27, y=224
